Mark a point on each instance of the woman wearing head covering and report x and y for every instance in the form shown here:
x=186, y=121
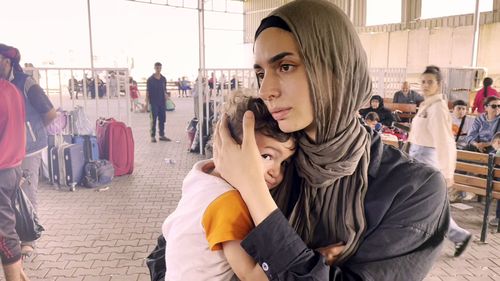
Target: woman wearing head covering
x=385, y=216
x=377, y=106
x=481, y=95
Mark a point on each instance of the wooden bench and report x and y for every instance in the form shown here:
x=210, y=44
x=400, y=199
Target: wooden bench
x=408, y=111
x=477, y=173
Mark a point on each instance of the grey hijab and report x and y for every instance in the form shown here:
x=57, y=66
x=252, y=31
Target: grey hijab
x=333, y=170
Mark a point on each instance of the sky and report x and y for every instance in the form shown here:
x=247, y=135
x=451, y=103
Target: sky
x=55, y=32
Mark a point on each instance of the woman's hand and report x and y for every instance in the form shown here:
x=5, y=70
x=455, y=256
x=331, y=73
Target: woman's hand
x=241, y=166
x=332, y=252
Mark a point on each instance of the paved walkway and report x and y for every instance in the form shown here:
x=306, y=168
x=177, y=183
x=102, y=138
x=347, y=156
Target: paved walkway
x=107, y=235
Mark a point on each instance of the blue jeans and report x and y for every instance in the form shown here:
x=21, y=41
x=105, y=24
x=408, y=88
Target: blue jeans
x=428, y=155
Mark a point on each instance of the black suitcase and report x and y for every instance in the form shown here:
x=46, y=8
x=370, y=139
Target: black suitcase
x=53, y=142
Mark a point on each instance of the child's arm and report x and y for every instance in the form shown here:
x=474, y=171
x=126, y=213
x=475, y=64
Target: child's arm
x=242, y=264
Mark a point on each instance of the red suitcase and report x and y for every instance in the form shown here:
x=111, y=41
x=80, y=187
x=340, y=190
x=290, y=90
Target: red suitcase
x=116, y=144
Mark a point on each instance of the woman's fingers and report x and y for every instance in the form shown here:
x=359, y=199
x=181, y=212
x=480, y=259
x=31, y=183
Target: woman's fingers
x=332, y=252
x=248, y=129
x=224, y=134
x=216, y=142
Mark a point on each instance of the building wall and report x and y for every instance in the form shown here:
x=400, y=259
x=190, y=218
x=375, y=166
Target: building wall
x=445, y=47
x=446, y=42
x=256, y=10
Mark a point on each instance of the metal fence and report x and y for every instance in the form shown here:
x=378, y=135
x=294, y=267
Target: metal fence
x=387, y=81
x=103, y=92
x=212, y=88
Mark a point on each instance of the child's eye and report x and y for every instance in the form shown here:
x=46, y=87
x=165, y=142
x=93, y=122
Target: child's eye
x=267, y=157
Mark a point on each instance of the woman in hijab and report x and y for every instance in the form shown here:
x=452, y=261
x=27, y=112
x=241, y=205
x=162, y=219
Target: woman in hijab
x=377, y=106
x=385, y=215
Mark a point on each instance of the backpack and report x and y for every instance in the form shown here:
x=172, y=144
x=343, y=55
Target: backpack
x=97, y=173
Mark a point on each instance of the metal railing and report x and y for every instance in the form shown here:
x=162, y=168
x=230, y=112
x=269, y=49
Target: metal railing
x=100, y=95
x=213, y=88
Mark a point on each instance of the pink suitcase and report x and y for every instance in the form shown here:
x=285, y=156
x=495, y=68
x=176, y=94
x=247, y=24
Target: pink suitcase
x=116, y=144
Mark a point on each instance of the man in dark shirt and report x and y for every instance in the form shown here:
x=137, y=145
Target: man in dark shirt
x=155, y=100
x=407, y=96
x=39, y=113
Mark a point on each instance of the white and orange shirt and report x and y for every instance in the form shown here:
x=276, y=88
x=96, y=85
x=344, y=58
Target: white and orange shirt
x=209, y=213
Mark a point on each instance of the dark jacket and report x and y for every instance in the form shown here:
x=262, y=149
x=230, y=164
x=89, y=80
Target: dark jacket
x=412, y=98
x=407, y=218
x=383, y=113
x=36, y=134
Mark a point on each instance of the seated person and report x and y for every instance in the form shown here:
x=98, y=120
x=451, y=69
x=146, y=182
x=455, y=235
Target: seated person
x=405, y=95
x=372, y=120
x=485, y=126
x=495, y=143
x=460, y=123
x=377, y=106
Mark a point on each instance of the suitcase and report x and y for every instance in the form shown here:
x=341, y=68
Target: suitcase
x=54, y=141
x=73, y=162
x=67, y=163
x=116, y=143
x=90, y=147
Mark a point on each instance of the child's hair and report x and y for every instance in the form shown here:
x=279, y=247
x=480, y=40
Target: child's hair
x=242, y=100
x=372, y=116
x=495, y=137
x=459, y=103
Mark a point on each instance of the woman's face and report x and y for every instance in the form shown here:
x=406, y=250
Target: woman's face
x=283, y=81
x=493, y=108
x=430, y=86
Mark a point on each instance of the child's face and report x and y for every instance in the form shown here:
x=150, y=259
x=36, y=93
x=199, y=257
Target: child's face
x=370, y=123
x=274, y=154
x=496, y=144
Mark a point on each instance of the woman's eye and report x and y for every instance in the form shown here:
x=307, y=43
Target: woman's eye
x=260, y=75
x=286, y=67
x=266, y=157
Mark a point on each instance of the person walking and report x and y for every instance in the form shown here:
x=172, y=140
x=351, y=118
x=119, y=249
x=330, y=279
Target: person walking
x=156, y=92
x=12, y=145
x=39, y=113
x=432, y=142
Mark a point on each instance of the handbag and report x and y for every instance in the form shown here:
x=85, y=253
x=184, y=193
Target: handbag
x=27, y=225
x=156, y=260
x=98, y=173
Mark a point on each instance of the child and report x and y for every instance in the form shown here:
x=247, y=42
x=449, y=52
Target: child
x=135, y=104
x=372, y=119
x=204, y=232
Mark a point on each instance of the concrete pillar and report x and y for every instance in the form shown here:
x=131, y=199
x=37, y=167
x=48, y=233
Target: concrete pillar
x=410, y=10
